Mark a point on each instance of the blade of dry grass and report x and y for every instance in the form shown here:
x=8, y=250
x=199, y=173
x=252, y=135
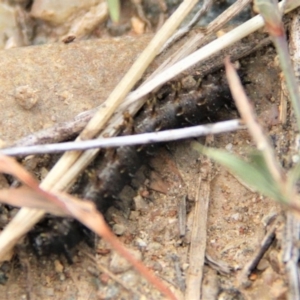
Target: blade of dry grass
x=199, y=233
x=25, y=197
x=248, y=115
x=227, y=15
x=184, y=30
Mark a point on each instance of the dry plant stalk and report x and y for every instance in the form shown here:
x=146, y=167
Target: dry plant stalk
x=248, y=115
x=199, y=232
x=130, y=140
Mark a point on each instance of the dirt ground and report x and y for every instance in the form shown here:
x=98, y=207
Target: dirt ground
x=238, y=220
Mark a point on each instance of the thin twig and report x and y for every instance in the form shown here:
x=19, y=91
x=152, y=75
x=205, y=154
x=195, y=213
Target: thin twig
x=249, y=117
x=219, y=266
x=227, y=15
x=291, y=254
x=264, y=246
x=184, y=30
x=138, y=139
x=57, y=133
x=199, y=233
x=182, y=216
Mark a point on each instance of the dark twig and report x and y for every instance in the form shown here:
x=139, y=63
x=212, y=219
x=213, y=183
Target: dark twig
x=264, y=246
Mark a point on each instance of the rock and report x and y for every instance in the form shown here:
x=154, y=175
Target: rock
x=119, y=264
x=262, y=265
x=58, y=266
x=25, y=96
x=119, y=229
x=140, y=203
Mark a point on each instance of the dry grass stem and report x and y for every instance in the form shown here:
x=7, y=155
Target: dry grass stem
x=184, y=30
x=248, y=115
x=199, y=233
x=201, y=38
x=182, y=216
x=226, y=16
x=291, y=254
x=138, y=139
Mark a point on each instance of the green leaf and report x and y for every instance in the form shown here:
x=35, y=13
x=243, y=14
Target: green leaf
x=254, y=174
x=114, y=9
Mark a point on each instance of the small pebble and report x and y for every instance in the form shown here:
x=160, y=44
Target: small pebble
x=119, y=264
x=140, y=243
x=104, y=278
x=26, y=96
x=119, y=229
x=253, y=276
x=110, y=292
x=154, y=246
x=62, y=277
x=188, y=82
x=49, y=292
x=155, y=266
x=235, y=217
x=228, y=147
x=262, y=265
x=131, y=278
x=137, y=25
x=134, y=215
x=93, y=271
x=140, y=203
x=58, y=266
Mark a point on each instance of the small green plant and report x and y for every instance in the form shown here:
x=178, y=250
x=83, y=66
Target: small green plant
x=114, y=10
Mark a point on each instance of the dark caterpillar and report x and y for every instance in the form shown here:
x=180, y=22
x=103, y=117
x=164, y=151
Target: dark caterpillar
x=174, y=106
